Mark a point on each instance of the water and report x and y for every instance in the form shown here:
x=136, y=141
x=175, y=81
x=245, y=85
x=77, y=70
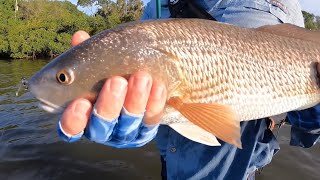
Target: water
x=30, y=148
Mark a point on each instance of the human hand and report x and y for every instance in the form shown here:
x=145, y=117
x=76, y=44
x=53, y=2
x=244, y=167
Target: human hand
x=126, y=113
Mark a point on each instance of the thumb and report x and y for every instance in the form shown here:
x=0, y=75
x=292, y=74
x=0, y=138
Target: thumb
x=78, y=37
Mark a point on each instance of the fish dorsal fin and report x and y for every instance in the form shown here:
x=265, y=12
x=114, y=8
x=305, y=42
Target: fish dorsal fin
x=195, y=133
x=216, y=119
x=292, y=31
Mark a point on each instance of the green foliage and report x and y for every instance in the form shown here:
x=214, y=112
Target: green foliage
x=44, y=27
x=311, y=21
x=86, y=3
x=111, y=13
x=38, y=28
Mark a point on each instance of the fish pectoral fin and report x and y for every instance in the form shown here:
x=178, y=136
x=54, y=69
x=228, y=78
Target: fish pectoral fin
x=292, y=31
x=195, y=133
x=217, y=119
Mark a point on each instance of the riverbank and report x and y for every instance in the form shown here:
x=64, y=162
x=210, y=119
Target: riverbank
x=44, y=28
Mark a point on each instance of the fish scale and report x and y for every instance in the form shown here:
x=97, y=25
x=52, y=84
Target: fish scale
x=216, y=74
x=268, y=67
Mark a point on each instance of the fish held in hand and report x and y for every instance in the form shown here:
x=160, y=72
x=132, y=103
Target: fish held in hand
x=216, y=74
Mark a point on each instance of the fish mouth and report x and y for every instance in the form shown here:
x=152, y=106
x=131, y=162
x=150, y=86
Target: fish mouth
x=49, y=107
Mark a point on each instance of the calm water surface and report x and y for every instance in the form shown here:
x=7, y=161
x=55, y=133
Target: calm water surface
x=30, y=148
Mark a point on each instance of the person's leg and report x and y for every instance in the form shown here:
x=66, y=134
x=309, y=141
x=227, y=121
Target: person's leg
x=163, y=168
x=244, y=13
x=162, y=142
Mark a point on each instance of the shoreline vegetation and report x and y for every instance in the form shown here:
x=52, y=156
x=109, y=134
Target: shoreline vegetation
x=43, y=28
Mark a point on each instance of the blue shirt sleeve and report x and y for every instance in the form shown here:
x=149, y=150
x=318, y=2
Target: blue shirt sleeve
x=305, y=131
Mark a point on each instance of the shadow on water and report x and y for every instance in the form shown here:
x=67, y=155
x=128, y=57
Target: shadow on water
x=30, y=148
x=81, y=160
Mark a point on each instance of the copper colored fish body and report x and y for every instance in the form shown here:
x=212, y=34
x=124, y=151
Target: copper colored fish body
x=217, y=74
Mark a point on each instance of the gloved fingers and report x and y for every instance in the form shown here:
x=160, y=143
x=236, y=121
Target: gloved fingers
x=111, y=98
x=139, y=86
x=66, y=136
x=156, y=103
x=151, y=120
x=132, y=132
x=105, y=114
x=128, y=130
x=145, y=135
x=74, y=119
x=100, y=129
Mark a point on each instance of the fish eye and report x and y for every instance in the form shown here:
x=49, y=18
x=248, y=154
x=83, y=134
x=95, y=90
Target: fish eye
x=65, y=77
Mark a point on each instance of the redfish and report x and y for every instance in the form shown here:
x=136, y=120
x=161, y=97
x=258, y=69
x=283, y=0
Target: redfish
x=216, y=74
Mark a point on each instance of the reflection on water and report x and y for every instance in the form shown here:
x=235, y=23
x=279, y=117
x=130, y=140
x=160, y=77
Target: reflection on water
x=30, y=148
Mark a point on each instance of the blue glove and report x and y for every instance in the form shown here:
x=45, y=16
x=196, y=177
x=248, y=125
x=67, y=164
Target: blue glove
x=126, y=131
x=67, y=137
x=305, y=129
